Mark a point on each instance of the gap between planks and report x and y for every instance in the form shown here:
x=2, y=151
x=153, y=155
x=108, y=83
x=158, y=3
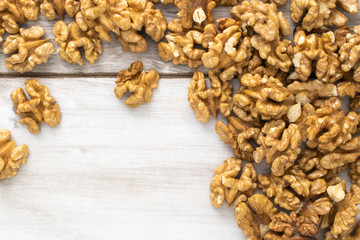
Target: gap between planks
x=86, y=75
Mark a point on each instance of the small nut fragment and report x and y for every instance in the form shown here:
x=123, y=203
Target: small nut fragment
x=294, y=112
x=31, y=49
x=11, y=156
x=41, y=107
x=138, y=82
x=336, y=192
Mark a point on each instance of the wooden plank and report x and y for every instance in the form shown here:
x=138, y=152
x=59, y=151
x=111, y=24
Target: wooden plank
x=110, y=172
x=114, y=59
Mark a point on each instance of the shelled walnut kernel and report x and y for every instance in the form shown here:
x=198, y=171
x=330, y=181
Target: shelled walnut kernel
x=41, y=107
x=11, y=156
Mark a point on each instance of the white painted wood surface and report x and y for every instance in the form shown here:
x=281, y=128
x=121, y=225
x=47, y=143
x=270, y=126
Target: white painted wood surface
x=110, y=172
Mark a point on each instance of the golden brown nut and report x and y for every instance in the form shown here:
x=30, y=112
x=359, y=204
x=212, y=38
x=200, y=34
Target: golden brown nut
x=227, y=187
x=345, y=211
x=138, y=82
x=275, y=187
x=41, y=107
x=263, y=18
x=317, y=13
x=49, y=8
x=263, y=96
x=254, y=216
x=309, y=91
x=305, y=221
x=71, y=38
x=278, y=145
x=31, y=49
x=11, y=156
x=208, y=101
x=330, y=127
x=349, y=53
x=13, y=12
x=318, y=51
x=192, y=14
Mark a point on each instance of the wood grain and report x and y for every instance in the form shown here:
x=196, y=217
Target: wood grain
x=114, y=59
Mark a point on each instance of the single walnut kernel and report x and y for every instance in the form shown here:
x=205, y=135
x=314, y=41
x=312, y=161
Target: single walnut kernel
x=227, y=187
x=38, y=109
x=11, y=156
x=71, y=38
x=316, y=50
x=50, y=8
x=138, y=82
x=208, y=101
x=317, y=13
x=31, y=49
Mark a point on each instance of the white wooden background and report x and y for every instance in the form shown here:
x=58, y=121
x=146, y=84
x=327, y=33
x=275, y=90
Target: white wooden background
x=108, y=171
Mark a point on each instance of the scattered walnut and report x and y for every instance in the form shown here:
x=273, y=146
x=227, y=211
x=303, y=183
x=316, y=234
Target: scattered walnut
x=309, y=91
x=11, y=156
x=194, y=13
x=254, y=216
x=263, y=96
x=38, y=109
x=227, y=187
x=316, y=50
x=138, y=82
x=50, y=8
x=349, y=56
x=278, y=145
x=31, y=49
x=13, y=12
x=71, y=38
x=330, y=127
x=318, y=13
x=208, y=101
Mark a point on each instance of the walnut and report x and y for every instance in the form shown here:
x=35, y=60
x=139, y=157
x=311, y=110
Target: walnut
x=320, y=50
x=350, y=88
x=132, y=41
x=208, y=101
x=309, y=163
x=49, y=8
x=355, y=103
x=31, y=49
x=263, y=18
x=330, y=127
x=263, y=96
x=71, y=38
x=349, y=56
x=304, y=222
x=226, y=186
x=13, y=12
x=354, y=172
x=309, y=91
x=180, y=49
x=346, y=236
x=278, y=145
x=238, y=133
x=317, y=13
x=138, y=82
x=41, y=107
x=254, y=217
x=275, y=187
x=11, y=156
x=194, y=13
x=345, y=211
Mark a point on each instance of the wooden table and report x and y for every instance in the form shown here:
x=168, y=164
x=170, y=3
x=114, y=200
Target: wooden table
x=108, y=171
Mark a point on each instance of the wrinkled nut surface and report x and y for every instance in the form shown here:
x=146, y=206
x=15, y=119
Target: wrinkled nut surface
x=138, y=82
x=205, y=101
x=320, y=13
x=71, y=38
x=11, y=156
x=39, y=108
x=51, y=8
x=28, y=49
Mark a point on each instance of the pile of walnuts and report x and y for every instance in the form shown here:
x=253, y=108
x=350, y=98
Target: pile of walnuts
x=288, y=111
